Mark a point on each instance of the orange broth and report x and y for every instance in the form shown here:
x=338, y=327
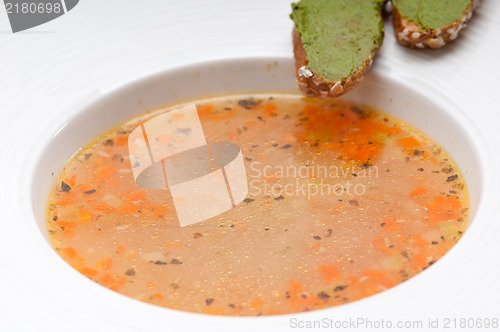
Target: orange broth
x=343, y=202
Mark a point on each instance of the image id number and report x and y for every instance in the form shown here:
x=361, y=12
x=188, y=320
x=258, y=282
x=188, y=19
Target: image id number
x=32, y=8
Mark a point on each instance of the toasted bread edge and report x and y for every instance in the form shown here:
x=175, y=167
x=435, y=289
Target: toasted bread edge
x=314, y=85
x=412, y=34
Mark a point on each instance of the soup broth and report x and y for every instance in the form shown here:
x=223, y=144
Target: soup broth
x=343, y=202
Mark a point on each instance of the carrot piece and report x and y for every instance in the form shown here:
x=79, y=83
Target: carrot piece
x=66, y=198
x=107, y=264
x=419, y=241
x=122, y=281
x=223, y=116
x=419, y=261
x=316, y=246
x=103, y=207
x=158, y=296
x=409, y=142
x=70, y=252
x=71, y=180
x=374, y=274
x=214, y=311
x=121, y=141
x=295, y=288
x=65, y=224
x=136, y=196
x=419, y=192
x=368, y=151
x=309, y=110
x=68, y=233
x=296, y=298
x=88, y=272
x=104, y=264
x=388, y=283
x=329, y=272
x=442, y=208
x=257, y=303
x=352, y=280
x=105, y=172
x=160, y=209
x=120, y=249
x=107, y=280
x=127, y=208
x=350, y=150
x=205, y=110
x=79, y=262
x=269, y=109
x=393, y=130
x=84, y=216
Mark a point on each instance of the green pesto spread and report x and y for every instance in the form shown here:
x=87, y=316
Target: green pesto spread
x=432, y=14
x=338, y=35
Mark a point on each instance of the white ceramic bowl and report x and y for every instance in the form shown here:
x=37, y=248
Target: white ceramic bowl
x=435, y=115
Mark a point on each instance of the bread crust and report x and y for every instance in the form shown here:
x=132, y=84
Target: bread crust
x=412, y=34
x=315, y=86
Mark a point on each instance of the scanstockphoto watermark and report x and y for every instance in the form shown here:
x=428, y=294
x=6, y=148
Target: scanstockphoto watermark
x=309, y=180
x=452, y=323
x=355, y=323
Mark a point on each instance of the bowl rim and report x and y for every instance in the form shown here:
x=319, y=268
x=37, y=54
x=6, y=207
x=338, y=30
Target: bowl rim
x=124, y=89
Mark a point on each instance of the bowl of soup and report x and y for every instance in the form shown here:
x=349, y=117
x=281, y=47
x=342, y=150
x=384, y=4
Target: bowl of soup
x=273, y=204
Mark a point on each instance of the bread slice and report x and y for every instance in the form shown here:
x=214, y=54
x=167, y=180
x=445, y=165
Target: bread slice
x=430, y=23
x=334, y=43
